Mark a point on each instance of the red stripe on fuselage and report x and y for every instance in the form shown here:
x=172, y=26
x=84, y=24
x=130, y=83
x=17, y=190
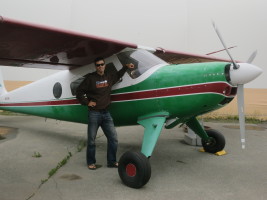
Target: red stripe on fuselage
x=43, y=103
x=218, y=87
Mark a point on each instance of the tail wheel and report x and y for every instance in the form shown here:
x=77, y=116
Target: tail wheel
x=134, y=169
x=215, y=143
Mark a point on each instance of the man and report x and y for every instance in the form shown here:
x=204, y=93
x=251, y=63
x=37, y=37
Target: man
x=97, y=88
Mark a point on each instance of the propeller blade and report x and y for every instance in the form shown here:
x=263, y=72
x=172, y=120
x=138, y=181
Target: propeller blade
x=251, y=58
x=240, y=103
x=224, y=45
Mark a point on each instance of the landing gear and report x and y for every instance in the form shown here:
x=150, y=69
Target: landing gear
x=215, y=143
x=134, y=169
x=212, y=141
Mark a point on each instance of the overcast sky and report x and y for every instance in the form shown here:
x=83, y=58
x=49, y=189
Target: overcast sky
x=183, y=25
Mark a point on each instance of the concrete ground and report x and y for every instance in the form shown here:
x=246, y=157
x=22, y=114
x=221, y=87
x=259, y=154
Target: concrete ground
x=179, y=171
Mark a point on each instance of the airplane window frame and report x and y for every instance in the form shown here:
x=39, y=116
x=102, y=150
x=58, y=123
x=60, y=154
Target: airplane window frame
x=142, y=59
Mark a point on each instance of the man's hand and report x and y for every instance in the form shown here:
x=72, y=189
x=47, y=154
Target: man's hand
x=130, y=66
x=92, y=104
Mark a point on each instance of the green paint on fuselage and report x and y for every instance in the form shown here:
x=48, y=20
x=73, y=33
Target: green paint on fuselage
x=179, y=75
x=184, y=106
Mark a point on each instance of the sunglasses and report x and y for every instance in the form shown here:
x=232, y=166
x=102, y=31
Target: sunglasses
x=101, y=64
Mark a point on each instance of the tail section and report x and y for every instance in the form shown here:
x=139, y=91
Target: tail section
x=2, y=85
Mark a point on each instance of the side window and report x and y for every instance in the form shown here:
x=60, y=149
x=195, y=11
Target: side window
x=110, y=68
x=57, y=90
x=142, y=60
x=74, y=85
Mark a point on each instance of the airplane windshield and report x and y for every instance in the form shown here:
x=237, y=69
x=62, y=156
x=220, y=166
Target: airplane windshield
x=142, y=60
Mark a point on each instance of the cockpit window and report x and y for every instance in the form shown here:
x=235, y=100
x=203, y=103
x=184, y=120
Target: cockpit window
x=142, y=60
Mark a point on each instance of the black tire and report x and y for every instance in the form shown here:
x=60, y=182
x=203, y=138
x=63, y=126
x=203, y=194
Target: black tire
x=134, y=169
x=216, y=142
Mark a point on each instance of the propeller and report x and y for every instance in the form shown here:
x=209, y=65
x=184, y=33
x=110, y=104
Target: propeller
x=240, y=74
x=240, y=104
x=224, y=45
x=252, y=56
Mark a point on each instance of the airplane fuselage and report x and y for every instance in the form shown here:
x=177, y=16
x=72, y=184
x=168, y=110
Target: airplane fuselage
x=183, y=91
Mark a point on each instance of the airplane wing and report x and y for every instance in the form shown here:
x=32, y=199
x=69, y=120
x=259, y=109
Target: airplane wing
x=176, y=57
x=30, y=45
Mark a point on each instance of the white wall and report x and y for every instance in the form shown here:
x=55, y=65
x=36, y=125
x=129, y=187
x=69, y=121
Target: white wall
x=183, y=25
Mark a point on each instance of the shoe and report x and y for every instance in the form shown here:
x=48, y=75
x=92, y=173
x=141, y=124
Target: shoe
x=92, y=167
x=113, y=165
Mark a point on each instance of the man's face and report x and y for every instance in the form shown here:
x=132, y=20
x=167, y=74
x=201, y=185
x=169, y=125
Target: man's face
x=100, y=67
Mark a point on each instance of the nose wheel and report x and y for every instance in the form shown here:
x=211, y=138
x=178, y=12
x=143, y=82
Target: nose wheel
x=134, y=169
x=215, y=143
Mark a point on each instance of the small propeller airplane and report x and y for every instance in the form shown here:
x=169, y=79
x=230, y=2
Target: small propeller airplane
x=166, y=88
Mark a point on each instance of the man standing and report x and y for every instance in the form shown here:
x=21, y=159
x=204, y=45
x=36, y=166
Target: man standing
x=97, y=88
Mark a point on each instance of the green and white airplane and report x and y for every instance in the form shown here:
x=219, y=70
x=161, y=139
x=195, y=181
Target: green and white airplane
x=165, y=89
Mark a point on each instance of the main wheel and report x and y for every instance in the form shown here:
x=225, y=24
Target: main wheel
x=215, y=143
x=134, y=169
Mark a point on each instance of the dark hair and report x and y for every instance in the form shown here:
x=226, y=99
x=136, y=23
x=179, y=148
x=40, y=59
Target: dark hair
x=98, y=59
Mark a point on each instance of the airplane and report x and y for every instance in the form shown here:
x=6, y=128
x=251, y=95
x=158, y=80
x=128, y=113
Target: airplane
x=165, y=89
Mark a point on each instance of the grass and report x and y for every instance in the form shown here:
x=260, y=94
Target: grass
x=54, y=170
x=63, y=162
x=51, y=172
x=36, y=155
x=81, y=145
x=232, y=119
x=9, y=113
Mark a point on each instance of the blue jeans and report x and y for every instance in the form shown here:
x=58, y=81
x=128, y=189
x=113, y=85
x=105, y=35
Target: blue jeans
x=104, y=120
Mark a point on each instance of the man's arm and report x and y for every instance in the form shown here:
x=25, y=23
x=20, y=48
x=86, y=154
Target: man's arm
x=81, y=92
x=122, y=71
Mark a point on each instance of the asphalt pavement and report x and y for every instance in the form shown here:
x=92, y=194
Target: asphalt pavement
x=44, y=159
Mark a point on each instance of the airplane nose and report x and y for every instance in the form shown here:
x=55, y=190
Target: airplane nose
x=244, y=74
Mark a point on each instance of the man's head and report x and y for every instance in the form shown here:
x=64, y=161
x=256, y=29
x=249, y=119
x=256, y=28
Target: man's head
x=100, y=65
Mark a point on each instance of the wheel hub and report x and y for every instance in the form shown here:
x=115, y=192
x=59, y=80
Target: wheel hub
x=211, y=142
x=131, y=170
